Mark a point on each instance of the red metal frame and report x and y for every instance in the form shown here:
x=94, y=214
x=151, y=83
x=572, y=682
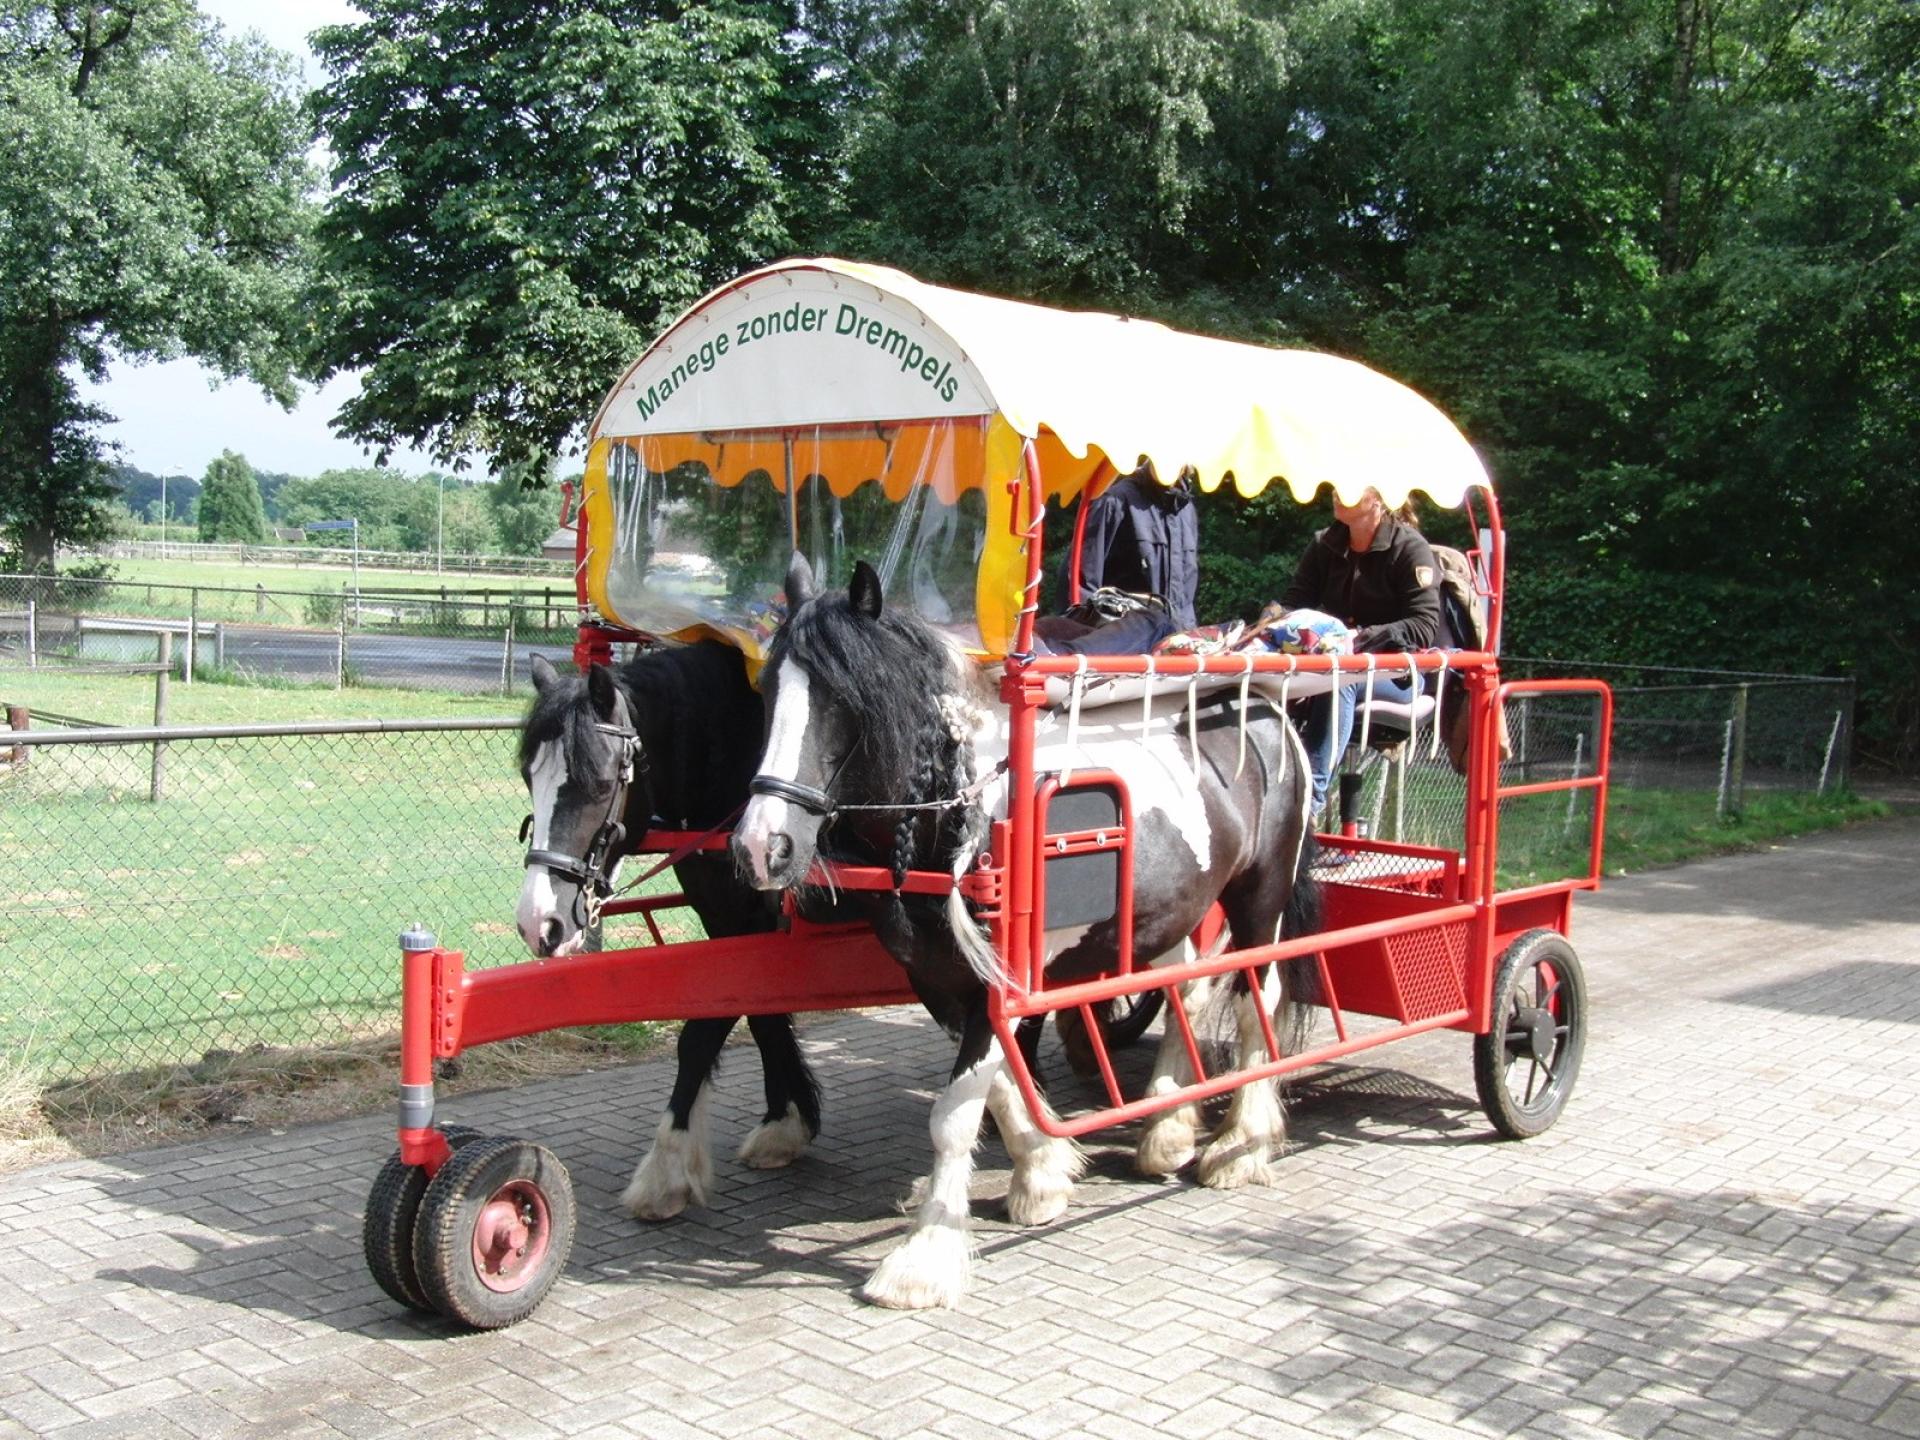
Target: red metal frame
x=1418, y=952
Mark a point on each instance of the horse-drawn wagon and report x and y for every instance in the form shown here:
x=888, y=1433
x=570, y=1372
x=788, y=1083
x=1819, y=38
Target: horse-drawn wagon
x=922, y=803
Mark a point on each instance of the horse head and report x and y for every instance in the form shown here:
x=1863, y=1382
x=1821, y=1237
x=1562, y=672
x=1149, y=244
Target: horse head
x=582, y=761
x=854, y=723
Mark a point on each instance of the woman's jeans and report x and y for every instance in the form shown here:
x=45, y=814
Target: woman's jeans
x=1328, y=725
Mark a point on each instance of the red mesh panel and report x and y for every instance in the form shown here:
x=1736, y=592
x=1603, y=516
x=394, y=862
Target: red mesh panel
x=1428, y=970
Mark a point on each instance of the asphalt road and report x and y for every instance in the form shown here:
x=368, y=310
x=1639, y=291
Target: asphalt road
x=426, y=661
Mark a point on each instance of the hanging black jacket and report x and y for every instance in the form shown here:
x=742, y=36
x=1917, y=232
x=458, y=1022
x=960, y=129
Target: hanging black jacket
x=1391, y=590
x=1145, y=537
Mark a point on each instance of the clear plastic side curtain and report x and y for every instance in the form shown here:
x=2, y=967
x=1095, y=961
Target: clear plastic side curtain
x=692, y=534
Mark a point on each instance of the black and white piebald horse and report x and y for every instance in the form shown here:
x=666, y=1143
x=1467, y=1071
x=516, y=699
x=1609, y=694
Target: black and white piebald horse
x=669, y=739
x=871, y=712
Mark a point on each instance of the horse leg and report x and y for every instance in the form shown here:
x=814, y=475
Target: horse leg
x=930, y=1267
x=1044, y=1166
x=1240, y=1151
x=679, y=1168
x=793, y=1097
x=1167, y=1144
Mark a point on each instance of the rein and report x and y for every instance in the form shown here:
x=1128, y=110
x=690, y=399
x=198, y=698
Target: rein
x=819, y=802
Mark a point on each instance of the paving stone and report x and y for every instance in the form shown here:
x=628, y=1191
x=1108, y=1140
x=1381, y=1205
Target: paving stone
x=1730, y=1247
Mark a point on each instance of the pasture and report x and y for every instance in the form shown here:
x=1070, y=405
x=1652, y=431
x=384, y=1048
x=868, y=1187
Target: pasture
x=260, y=901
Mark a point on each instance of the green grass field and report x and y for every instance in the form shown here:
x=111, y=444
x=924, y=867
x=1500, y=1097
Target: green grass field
x=259, y=903
x=325, y=574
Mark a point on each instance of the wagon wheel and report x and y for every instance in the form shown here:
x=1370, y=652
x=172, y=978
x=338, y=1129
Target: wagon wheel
x=1125, y=1019
x=386, y=1234
x=494, y=1231
x=1525, y=1065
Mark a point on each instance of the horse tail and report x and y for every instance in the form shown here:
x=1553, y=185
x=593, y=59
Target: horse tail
x=969, y=937
x=1303, y=913
x=1301, y=976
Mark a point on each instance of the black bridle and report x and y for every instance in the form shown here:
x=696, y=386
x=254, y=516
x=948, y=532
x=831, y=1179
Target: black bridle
x=590, y=872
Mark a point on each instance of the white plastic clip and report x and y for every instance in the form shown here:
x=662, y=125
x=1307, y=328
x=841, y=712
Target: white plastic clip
x=1246, y=681
x=1074, y=697
x=1366, y=705
x=1193, y=724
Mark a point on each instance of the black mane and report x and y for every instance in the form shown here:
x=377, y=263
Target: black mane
x=890, y=671
x=699, y=723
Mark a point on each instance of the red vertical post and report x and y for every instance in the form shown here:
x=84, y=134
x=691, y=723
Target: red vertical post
x=420, y=1143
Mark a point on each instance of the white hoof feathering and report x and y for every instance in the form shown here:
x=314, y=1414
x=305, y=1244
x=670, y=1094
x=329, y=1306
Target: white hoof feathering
x=774, y=1143
x=1241, y=1152
x=1044, y=1166
x=929, y=1271
x=1043, y=1179
x=1235, y=1164
x=1168, y=1145
x=678, y=1170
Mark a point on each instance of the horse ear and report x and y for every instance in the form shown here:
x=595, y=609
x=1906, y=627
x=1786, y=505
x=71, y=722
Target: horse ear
x=600, y=689
x=543, y=672
x=799, y=582
x=865, y=590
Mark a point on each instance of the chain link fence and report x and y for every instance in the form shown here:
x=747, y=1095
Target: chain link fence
x=470, y=639
x=1724, y=732
x=218, y=889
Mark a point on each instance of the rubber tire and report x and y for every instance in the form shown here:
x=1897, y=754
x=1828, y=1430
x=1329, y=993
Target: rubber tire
x=1125, y=1027
x=386, y=1231
x=450, y=1211
x=1512, y=1116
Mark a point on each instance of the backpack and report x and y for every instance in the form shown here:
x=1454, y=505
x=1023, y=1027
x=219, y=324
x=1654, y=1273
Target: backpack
x=1463, y=609
x=1463, y=616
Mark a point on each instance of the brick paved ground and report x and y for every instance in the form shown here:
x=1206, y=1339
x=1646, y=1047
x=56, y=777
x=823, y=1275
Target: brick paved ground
x=1718, y=1239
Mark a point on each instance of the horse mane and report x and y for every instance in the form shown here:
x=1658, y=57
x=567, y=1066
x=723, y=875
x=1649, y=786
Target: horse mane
x=891, y=671
x=561, y=712
x=698, y=718
x=901, y=676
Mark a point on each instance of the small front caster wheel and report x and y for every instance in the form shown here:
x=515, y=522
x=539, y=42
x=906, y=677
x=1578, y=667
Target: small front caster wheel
x=495, y=1228
x=1525, y=1065
x=393, y=1205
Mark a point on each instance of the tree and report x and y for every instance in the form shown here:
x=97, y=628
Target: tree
x=377, y=497
x=1080, y=150
x=230, y=507
x=523, y=191
x=524, y=518
x=155, y=205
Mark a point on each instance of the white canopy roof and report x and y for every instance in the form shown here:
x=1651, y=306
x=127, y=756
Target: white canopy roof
x=832, y=342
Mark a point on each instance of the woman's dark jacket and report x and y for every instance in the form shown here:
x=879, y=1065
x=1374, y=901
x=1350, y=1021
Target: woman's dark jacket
x=1391, y=590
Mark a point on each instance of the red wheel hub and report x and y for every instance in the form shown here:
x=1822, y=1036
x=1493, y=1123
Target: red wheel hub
x=510, y=1236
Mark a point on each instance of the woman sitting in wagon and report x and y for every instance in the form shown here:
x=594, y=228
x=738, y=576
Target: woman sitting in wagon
x=1373, y=570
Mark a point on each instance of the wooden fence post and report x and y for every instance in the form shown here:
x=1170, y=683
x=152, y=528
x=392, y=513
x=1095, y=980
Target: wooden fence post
x=193, y=631
x=19, y=718
x=1737, y=770
x=157, y=786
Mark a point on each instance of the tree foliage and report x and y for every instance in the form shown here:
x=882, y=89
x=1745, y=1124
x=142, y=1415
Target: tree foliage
x=522, y=191
x=230, y=507
x=1660, y=258
x=153, y=204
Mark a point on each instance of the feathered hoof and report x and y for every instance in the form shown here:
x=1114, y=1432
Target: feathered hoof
x=929, y=1271
x=773, y=1144
x=675, y=1174
x=1236, y=1164
x=1040, y=1198
x=1168, y=1146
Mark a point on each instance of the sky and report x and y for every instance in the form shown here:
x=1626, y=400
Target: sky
x=176, y=416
